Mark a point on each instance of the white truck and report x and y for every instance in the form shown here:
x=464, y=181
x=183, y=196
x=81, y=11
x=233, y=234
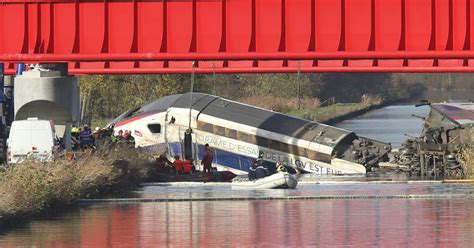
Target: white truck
x=32, y=139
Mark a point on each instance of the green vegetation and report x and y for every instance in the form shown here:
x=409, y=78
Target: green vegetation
x=325, y=114
x=100, y=122
x=282, y=104
x=105, y=97
x=31, y=188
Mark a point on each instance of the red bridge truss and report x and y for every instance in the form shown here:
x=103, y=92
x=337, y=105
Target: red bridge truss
x=165, y=36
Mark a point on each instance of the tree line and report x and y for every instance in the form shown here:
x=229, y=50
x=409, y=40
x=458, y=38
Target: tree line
x=107, y=96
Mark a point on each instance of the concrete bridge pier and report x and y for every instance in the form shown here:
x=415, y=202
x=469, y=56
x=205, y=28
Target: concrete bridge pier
x=47, y=92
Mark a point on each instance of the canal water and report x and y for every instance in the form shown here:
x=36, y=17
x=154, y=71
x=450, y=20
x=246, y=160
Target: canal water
x=351, y=211
x=392, y=124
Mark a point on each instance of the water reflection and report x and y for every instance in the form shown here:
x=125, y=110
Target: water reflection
x=359, y=223
x=307, y=187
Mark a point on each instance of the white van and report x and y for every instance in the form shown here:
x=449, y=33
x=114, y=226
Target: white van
x=31, y=139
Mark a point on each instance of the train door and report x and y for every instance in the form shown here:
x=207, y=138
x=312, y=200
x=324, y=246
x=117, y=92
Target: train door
x=188, y=146
x=180, y=142
x=172, y=133
x=186, y=143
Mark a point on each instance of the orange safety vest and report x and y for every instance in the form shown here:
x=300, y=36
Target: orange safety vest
x=178, y=164
x=187, y=166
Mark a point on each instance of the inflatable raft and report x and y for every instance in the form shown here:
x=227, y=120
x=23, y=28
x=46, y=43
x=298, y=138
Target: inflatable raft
x=277, y=180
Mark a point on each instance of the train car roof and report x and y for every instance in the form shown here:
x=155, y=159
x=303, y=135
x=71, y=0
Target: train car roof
x=199, y=101
x=159, y=105
x=262, y=119
x=244, y=114
x=461, y=113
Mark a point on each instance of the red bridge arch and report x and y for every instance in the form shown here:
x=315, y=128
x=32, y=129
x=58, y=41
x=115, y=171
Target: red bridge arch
x=164, y=36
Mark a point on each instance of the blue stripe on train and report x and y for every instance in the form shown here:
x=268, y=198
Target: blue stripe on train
x=221, y=157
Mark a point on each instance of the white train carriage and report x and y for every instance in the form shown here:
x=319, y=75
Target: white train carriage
x=237, y=132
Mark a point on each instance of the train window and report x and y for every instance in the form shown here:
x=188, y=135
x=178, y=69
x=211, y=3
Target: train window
x=201, y=124
x=274, y=145
x=296, y=150
x=293, y=149
x=154, y=128
x=312, y=155
x=252, y=139
x=246, y=137
x=301, y=151
x=205, y=127
x=219, y=130
x=324, y=157
x=284, y=147
x=263, y=142
x=230, y=133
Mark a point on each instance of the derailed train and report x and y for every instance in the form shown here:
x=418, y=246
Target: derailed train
x=182, y=124
x=448, y=126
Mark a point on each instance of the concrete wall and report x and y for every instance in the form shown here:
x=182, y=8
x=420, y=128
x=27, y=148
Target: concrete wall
x=48, y=95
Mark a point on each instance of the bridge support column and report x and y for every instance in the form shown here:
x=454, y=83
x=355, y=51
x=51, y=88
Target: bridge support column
x=47, y=92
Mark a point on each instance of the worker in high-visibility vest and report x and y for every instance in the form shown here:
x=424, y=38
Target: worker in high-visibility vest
x=75, y=137
x=75, y=130
x=280, y=167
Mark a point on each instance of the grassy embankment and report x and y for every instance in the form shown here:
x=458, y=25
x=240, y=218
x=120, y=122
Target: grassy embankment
x=310, y=108
x=34, y=188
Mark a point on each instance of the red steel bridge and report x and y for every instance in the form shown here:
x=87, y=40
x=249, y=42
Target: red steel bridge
x=165, y=36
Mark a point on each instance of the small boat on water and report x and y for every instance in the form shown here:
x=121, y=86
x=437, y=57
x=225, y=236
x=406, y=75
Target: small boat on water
x=216, y=176
x=277, y=180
